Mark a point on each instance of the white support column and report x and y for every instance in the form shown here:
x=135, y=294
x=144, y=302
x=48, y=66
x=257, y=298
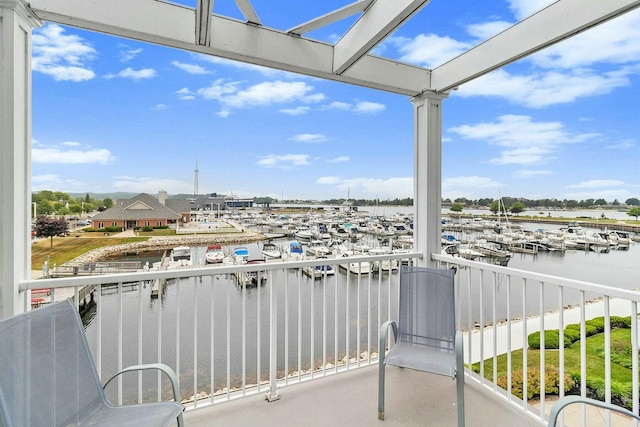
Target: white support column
x=427, y=174
x=16, y=23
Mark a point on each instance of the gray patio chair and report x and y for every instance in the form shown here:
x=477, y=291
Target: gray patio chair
x=425, y=335
x=48, y=378
x=568, y=400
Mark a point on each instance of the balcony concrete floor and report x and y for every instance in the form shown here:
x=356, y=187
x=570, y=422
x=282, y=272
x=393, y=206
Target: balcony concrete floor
x=350, y=399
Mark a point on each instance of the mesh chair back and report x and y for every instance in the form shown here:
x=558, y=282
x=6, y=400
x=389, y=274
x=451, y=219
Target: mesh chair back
x=427, y=311
x=47, y=376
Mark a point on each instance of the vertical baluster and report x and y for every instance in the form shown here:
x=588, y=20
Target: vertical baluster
x=494, y=321
x=542, y=353
x=561, y=345
x=634, y=359
x=481, y=300
x=195, y=341
x=509, y=353
x=140, y=331
x=583, y=354
x=273, y=341
x=607, y=356
x=120, y=335
x=525, y=345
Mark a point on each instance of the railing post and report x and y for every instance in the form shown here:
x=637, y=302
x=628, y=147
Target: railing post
x=273, y=395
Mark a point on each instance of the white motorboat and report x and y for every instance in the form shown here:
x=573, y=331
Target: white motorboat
x=214, y=254
x=271, y=251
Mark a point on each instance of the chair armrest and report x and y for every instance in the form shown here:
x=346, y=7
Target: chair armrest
x=384, y=331
x=568, y=400
x=157, y=366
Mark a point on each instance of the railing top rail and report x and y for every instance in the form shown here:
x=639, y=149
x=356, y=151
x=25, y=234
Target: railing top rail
x=200, y=271
x=628, y=294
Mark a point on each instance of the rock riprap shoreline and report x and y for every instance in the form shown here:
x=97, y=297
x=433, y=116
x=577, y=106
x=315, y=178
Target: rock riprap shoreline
x=165, y=242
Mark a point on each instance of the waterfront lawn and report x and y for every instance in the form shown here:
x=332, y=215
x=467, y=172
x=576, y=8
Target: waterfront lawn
x=67, y=248
x=621, y=352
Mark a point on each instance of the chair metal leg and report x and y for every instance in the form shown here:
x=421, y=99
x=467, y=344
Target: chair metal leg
x=382, y=345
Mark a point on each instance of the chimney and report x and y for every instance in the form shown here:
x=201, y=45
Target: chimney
x=162, y=196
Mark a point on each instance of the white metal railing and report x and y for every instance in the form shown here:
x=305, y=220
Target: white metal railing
x=226, y=340
x=499, y=307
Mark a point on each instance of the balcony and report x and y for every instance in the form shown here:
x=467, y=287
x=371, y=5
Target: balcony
x=309, y=342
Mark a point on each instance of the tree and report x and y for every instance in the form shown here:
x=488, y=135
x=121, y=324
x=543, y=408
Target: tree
x=50, y=227
x=495, y=207
x=456, y=207
x=633, y=202
x=516, y=208
x=634, y=212
x=108, y=203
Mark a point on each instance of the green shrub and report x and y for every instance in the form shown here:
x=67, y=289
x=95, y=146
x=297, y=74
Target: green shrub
x=146, y=229
x=621, y=393
x=589, y=329
x=161, y=227
x=113, y=229
x=551, y=382
x=551, y=339
x=571, y=335
x=598, y=323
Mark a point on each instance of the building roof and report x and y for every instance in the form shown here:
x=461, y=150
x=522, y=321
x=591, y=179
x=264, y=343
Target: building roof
x=142, y=206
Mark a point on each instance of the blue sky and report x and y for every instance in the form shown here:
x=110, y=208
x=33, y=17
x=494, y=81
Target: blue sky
x=112, y=114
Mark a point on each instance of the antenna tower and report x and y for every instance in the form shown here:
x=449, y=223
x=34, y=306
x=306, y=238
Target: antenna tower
x=195, y=182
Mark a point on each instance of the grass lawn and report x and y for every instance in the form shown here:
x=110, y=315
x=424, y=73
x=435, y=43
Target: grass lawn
x=67, y=248
x=620, y=359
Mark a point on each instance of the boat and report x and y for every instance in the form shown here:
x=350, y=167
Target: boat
x=271, y=251
x=241, y=254
x=318, y=271
x=318, y=248
x=385, y=264
x=214, y=254
x=295, y=249
x=461, y=250
x=180, y=256
x=251, y=278
x=359, y=267
x=180, y=253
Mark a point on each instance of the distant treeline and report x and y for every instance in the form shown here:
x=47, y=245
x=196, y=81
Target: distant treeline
x=468, y=203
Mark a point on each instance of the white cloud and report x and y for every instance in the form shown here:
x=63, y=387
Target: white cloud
x=58, y=155
x=268, y=93
x=285, y=161
x=158, y=107
x=185, y=94
x=530, y=173
x=524, y=8
x=151, y=185
x=298, y=111
x=127, y=54
x=538, y=89
x=130, y=73
x=362, y=107
x=622, y=145
x=524, y=141
x=190, y=68
x=395, y=187
x=597, y=183
x=486, y=30
x=339, y=159
x=428, y=50
x=56, y=182
x=265, y=71
x=309, y=138
x=61, y=56
x=468, y=182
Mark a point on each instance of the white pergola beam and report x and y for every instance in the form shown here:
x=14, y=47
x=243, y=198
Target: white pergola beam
x=379, y=20
x=331, y=17
x=174, y=25
x=559, y=21
x=203, y=22
x=248, y=11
